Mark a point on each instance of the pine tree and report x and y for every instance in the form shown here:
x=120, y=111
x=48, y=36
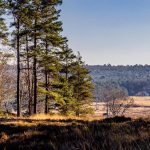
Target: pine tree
x=16, y=10
x=82, y=84
x=25, y=34
x=35, y=10
x=67, y=58
x=20, y=12
x=34, y=33
x=51, y=41
x=50, y=67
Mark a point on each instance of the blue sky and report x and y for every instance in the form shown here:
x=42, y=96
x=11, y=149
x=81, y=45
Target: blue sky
x=108, y=31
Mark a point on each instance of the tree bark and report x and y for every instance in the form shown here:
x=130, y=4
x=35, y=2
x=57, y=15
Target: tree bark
x=46, y=84
x=29, y=78
x=18, y=69
x=35, y=69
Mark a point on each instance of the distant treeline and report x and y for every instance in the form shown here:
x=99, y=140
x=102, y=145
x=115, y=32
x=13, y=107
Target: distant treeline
x=133, y=78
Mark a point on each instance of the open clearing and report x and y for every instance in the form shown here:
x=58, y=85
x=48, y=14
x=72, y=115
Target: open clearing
x=140, y=108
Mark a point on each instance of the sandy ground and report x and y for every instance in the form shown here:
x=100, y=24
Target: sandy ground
x=140, y=108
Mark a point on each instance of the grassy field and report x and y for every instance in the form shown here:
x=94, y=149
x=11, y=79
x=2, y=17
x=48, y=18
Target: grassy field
x=61, y=133
x=140, y=108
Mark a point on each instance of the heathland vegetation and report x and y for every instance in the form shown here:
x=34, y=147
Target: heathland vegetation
x=59, y=133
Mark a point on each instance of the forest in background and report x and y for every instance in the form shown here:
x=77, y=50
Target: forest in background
x=135, y=80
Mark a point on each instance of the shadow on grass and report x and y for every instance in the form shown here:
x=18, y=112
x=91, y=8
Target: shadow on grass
x=109, y=134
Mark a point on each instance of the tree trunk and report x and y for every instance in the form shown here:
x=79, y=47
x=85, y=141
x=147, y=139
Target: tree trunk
x=29, y=78
x=18, y=69
x=107, y=109
x=46, y=83
x=35, y=70
x=66, y=69
x=78, y=111
x=46, y=96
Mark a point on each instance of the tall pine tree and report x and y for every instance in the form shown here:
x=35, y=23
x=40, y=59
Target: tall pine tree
x=67, y=58
x=51, y=41
x=82, y=84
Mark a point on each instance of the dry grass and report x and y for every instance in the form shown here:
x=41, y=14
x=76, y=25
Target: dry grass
x=69, y=133
x=52, y=117
x=75, y=133
x=42, y=119
x=142, y=101
x=140, y=108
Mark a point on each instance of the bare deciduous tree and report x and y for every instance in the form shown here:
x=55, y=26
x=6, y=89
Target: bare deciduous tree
x=117, y=100
x=7, y=80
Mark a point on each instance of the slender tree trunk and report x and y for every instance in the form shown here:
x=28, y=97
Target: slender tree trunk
x=77, y=112
x=46, y=96
x=66, y=69
x=46, y=84
x=35, y=70
x=32, y=92
x=29, y=78
x=107, y=109
x=66, y=72
x=18, y=69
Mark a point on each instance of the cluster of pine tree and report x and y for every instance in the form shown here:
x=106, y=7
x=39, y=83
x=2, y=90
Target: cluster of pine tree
x=47, y=69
